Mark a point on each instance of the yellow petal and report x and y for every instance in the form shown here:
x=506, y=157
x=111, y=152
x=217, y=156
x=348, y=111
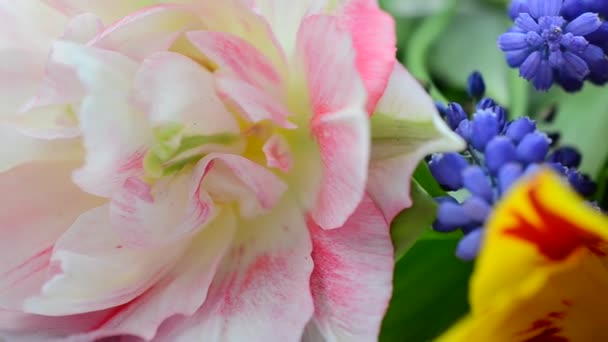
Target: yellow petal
x=542, y=272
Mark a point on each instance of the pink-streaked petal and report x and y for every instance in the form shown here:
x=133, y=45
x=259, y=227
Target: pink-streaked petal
x=32, y=149
x=115, y=137
x=339, y=122
x=278, y=154
x=39, y=203
x=374, y=39
x=236, y=57
x=228, y=177
x=149, y=216
x=17, y=326
x=285, y=17
x=405, y=128
x=172, y=88
x=253, y=103
x=93, y=270
x=261, y=292
x=343, y=140
x=181, y=292
x=352, y=279
x=333, y=82
x=236, y=18
x=148, y=30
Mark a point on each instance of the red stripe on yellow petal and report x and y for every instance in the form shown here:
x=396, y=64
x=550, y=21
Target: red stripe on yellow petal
x=554, y=236
x=541, y=274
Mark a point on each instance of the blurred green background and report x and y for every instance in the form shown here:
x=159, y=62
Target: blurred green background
x=441, y=42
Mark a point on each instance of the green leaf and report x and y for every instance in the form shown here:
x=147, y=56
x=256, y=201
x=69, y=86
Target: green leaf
x=413, y=222
x=430, y=292
x=582, y=120
x=469, y=44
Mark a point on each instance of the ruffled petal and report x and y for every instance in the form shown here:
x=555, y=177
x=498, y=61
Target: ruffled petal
x=39, y=203
x=32, y=149
x=405, y=128
x=374, y=39
x=171, y=88
x=239, y=59
x=92, y=270
x=181, y=291
x=339, y=122
x=180, y=205
x=352, y=280
x=115, y=137
x=261, y=292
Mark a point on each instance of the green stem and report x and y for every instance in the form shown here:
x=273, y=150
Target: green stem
x=421, y=42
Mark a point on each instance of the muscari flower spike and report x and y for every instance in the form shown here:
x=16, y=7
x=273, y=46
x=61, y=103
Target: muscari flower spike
x=499, y=152
x=558, y=41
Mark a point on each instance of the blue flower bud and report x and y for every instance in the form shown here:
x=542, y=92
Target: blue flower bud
x=469, y=245
x=465, y=130
x=501, y=115
x=476, y=87
x=582, y=183
x=507, y=175
x=517, y=7
x=441, y=108
x=476, y=208
x=486, y=103
x=454, y=114
x=567, y=156
x=519, y=128
x=533, y=148
x=447, y=169
x=476, y=181
x=485, y=126
x=499, y=151
x=451, y=216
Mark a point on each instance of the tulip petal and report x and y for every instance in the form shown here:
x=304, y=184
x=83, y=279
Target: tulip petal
x=339, y=122
x=181, y=292
x=39, y=203
x=147, y=30
x=114, y=136
x=261, y=292
x=89, y=272
x=172, y=88
x=285, y=18
x=32, y=149
x=553, y=268
x=31, y=24
x=374, y=39
x=178, y=206
x=277, y=152
x=405, y=128
x=236, y=57
x=352, y=279
x=252, y=103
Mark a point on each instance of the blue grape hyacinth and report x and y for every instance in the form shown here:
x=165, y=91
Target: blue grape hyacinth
x=557, y=41
x=499, y=152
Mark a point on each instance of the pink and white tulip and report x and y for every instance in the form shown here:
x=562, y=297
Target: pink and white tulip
x=203, y=170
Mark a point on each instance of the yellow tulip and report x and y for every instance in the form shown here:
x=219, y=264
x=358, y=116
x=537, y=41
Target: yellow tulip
x=542, y=273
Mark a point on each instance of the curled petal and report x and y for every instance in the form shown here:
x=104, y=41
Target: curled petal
x=351, y=283
x=339, y=122
x=39, y=203
x=89, y=273
x=405, y=128
x=262, y=291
